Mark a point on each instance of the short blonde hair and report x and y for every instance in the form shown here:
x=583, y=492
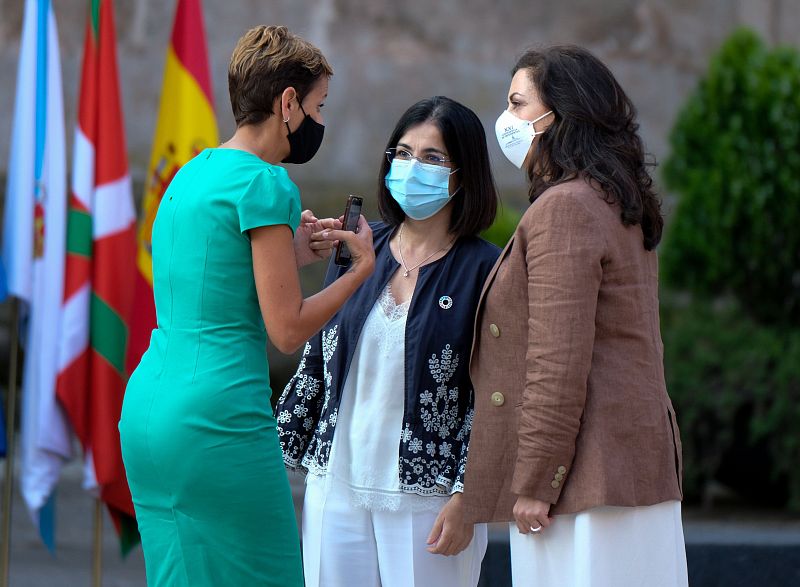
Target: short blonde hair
x=266, y=61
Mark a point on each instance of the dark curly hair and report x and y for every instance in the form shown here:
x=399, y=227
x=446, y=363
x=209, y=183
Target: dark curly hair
x=594, y=135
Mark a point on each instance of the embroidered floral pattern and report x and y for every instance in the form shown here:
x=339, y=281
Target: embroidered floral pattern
x=430, y=448
x=463, y=434
x=427, y=466
x=296, y=407
x=406, y=434
x=439, y=412
x=444, y=449
x=436, y=427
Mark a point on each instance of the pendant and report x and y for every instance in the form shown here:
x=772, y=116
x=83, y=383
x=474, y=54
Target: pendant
x=405, y=273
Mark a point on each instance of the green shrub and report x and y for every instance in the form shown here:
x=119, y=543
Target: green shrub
x=735, y=165
x=501, y=231
x=718, y=364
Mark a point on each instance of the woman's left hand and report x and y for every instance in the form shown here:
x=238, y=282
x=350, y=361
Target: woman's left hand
x=531, y=515
x=309, y=246
x=450, y=534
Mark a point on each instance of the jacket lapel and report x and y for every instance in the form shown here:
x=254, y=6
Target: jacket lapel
x=485, y=289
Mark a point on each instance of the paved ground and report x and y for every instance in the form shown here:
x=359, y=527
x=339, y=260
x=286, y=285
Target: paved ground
x=32, y=565
x=722, y=547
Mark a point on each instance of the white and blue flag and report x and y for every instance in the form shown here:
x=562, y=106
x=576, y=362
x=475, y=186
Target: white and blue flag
x=33, y=254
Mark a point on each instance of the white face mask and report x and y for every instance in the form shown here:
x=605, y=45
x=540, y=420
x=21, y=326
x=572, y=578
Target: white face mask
x=516, y=135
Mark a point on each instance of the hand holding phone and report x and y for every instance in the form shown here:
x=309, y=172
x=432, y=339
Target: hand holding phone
x=352, y=212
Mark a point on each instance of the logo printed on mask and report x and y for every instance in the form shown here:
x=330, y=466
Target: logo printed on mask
x=421, y=189
x=516, y=135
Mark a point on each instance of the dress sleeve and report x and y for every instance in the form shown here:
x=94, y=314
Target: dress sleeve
x=270, y=199
x=564, y=248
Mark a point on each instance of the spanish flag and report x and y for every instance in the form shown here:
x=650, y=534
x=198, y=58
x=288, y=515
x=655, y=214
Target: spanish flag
x=186, y=125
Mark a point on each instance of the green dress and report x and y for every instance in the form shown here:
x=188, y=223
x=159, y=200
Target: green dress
x=199, y=438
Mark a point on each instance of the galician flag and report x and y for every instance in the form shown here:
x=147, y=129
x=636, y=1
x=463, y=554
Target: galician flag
x=100, y=271
x=186, y=125
x=33, y=255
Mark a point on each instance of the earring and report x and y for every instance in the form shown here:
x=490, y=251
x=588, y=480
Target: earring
x=286, y=120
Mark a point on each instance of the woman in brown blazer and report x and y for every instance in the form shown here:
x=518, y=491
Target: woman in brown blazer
x=574, y=440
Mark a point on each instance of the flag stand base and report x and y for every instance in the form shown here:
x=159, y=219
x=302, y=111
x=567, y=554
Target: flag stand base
x=97, y=551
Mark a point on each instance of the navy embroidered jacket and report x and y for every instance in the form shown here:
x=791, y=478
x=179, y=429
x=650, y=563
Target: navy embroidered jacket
x=438, y=393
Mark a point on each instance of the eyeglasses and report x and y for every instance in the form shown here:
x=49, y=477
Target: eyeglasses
x=405, y=155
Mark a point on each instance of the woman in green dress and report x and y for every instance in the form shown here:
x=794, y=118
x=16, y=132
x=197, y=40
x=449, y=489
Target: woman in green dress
x=199, y=439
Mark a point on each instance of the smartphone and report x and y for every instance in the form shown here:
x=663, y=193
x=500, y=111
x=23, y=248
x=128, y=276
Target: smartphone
x=351, y=214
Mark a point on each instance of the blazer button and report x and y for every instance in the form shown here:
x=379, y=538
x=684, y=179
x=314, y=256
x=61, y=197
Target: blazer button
x=498, y=399
x=562, y=469
x=555, y=484
x=495, y=330
x=559, y=477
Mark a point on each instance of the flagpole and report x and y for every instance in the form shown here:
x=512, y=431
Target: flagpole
x=11, y=408
x=97, y=555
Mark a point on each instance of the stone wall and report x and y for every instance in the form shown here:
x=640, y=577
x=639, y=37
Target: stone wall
x=389, y=54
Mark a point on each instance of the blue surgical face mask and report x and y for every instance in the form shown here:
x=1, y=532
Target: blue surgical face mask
x=421, y=189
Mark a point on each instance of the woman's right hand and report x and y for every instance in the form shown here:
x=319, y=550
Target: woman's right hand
x=531, y=515
x=360, y=246
x=289, y=318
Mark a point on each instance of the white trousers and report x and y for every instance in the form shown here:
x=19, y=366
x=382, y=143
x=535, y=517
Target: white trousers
x=347, y=546
x=604, y=547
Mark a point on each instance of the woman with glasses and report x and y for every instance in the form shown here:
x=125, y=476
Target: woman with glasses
x=380, y=409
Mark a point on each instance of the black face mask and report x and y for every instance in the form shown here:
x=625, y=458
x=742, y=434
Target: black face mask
x=304, y=142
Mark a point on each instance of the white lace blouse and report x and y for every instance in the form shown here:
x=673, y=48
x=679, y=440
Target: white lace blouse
x=365, y=453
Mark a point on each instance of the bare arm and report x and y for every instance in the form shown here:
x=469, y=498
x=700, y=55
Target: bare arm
x=290, y=319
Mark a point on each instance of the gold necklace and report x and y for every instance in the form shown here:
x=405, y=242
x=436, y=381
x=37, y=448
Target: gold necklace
x=403, y=261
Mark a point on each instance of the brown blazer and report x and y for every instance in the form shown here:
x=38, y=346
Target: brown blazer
x=567, y=363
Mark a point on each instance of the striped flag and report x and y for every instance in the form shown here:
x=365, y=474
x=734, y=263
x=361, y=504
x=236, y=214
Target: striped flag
x=100, y=269
x=33, y=255
x=186, y=125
